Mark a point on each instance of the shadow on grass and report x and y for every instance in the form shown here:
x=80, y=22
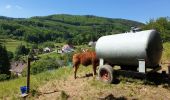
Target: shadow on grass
x=153, y=78
x=111, y=97
x=157, y=78
x=116, y=81
x=87, y=75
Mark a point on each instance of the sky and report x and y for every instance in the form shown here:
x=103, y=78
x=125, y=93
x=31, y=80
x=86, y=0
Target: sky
x=138, y=10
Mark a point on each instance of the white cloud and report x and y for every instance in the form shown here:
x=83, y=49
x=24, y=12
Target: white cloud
x=8, y=6
x=18, y=7
x=13, y=6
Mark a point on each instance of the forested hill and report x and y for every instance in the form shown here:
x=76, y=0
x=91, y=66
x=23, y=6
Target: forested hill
x=60, y=28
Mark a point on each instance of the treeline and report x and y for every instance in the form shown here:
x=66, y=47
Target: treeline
x=4, y=63
x=162, y=25
x=62, y=28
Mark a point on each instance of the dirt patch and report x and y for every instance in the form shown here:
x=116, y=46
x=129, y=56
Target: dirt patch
x=89, y=88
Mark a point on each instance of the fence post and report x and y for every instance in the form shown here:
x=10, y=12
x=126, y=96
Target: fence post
x=28, y=74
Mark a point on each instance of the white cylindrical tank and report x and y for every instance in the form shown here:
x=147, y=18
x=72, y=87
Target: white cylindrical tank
x=129, y=48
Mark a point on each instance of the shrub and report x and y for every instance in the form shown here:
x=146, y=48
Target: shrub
x=44, y=65
x=10, y=55
x=67, y=58
x=22, y=50
x=4, y=77
x=48, y=44
x=63, y=95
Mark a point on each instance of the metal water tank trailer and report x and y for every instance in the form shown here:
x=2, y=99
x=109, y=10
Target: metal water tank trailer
x=127, y=49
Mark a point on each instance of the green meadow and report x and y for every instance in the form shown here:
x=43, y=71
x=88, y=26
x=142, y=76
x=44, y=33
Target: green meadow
x=11, y=44
x=11, y=89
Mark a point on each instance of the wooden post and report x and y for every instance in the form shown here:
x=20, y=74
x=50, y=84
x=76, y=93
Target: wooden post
x=28, y=74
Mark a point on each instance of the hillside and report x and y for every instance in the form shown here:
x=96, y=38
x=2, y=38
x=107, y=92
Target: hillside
x=73, y=28
x=11, y=44
x=59, y=83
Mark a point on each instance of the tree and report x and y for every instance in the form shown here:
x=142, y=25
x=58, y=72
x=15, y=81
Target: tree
x=63, y=27
x=4, y=61
x=21, y=50
x=10, y=55
x=162, y=25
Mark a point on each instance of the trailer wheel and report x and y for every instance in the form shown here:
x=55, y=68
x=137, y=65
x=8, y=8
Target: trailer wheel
x=106, y=73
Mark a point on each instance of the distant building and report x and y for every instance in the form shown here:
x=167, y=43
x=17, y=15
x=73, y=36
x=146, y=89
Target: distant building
x=59, y=51
x=135, y=29
x=47, y=49
x=92, y=44
x=67, y=48
x=35, y=51
x=17, y=67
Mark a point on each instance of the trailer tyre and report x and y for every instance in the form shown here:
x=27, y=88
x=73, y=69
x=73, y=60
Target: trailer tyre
x=106, y=74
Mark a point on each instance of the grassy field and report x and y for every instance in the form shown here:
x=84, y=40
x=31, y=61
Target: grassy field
x=85, y=87
x=50, y=54
x=11, y=89
x=11, y=44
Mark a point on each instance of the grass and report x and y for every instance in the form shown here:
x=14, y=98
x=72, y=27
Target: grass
x=50, y=54
x=11, y=44
x=64, y=96
x=11, y=88
x=166, y=51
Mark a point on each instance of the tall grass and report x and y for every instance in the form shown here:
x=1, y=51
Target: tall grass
x=12, y=88
x=166, y=51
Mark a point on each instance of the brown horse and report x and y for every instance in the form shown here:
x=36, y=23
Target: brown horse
x=85, y=58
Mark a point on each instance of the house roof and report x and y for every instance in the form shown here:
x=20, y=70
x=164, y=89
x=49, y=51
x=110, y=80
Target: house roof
x=17, y=67
x=67, y=48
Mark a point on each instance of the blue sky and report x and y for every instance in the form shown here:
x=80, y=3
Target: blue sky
x=139, y=10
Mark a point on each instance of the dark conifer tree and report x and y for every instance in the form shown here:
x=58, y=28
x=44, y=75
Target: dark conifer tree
x=4, y=61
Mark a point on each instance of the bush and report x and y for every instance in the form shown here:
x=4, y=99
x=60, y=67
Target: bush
x=67, y=58
x=4, y=77
x=44, y=65
x=49, y=44
x=34, y=46
x=10, y=55
x=22, y=50
x=17, y=57
x=162, y=25
x=63, y=95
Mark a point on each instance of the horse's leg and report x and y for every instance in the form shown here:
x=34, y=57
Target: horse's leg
x=76, y=66
x=94, y=69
